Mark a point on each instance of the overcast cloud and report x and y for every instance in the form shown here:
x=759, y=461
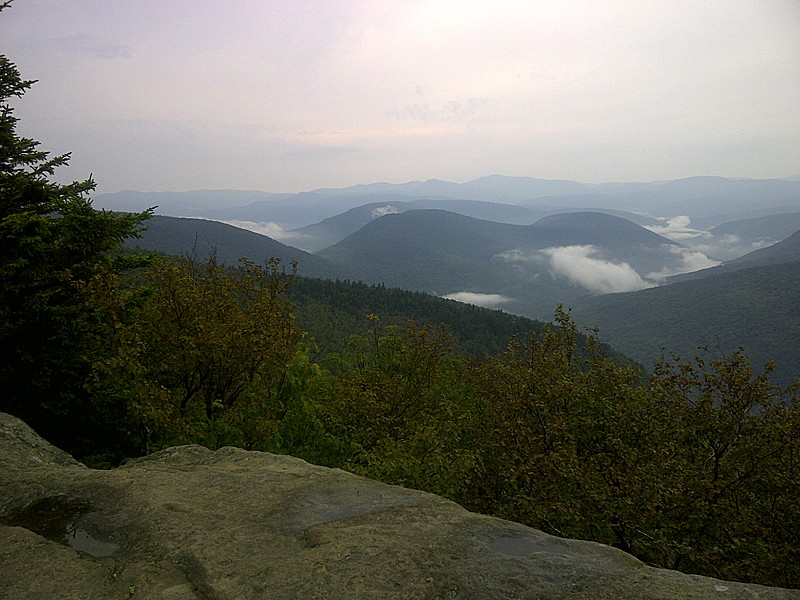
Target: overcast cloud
x=290, y=96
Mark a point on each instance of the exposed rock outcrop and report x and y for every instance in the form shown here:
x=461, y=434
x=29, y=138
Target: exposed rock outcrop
x=188, y=523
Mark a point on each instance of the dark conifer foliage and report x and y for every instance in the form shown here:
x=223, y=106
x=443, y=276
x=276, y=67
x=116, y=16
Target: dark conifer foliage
x=332, y=311
x=52, y=244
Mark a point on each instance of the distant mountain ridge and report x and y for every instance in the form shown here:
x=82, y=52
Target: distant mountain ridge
x=445, y=253
x=184, y=204
x=707, y=200
x=328, y=232
x=772, y=228
x=334, y=229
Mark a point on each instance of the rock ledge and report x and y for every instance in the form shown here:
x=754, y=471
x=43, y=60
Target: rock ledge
x=188, y=523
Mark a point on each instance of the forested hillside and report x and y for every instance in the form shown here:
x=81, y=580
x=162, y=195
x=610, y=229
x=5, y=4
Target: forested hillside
x=201, y=238
x=531, y=268
x=333, y=311
x=785, y=251
x=758, y=308
x=425, y=250
x=769, y=228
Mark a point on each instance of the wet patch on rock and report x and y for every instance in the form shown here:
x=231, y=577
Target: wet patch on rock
x=65, y=520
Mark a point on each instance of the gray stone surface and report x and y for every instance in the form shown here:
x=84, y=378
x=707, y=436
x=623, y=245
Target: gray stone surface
x=188, y=523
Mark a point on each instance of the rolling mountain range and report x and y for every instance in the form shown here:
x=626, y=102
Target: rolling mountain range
x=707, y=201
x=526, y=245
x=525, y=268
x=328, y=232
x=334, y=229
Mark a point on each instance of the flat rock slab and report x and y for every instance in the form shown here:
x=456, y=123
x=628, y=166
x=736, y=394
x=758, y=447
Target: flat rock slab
x=188, y=523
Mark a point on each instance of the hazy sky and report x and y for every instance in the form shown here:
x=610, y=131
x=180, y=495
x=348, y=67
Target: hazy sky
x=293, y=95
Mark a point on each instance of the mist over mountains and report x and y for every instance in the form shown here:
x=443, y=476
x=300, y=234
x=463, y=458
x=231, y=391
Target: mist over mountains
x=520, y=244
x=528, y=269
x=201, y=238
x=703, y=199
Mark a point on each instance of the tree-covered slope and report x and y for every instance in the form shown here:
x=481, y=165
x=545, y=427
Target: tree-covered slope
x=529, y=267
x=334, y=229
x=425, y=250
x=332, y=311
x=592, y=227
x=768, y=228
x=758, y=308
x=787, y=250
x=198, y=237
x=784, y=251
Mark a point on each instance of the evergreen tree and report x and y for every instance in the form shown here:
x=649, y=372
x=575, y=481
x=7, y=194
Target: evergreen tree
x=53, y=243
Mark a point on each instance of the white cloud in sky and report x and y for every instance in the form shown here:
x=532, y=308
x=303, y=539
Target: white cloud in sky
x=583, y=266
x=484, y=300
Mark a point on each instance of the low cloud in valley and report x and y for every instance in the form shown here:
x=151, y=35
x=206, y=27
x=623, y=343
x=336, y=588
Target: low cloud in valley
x=268, y=228
x=583, y=265
x=383, y=210
x=677, y=229
x=690, y=260
x=715, y=248
x=484, y=300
